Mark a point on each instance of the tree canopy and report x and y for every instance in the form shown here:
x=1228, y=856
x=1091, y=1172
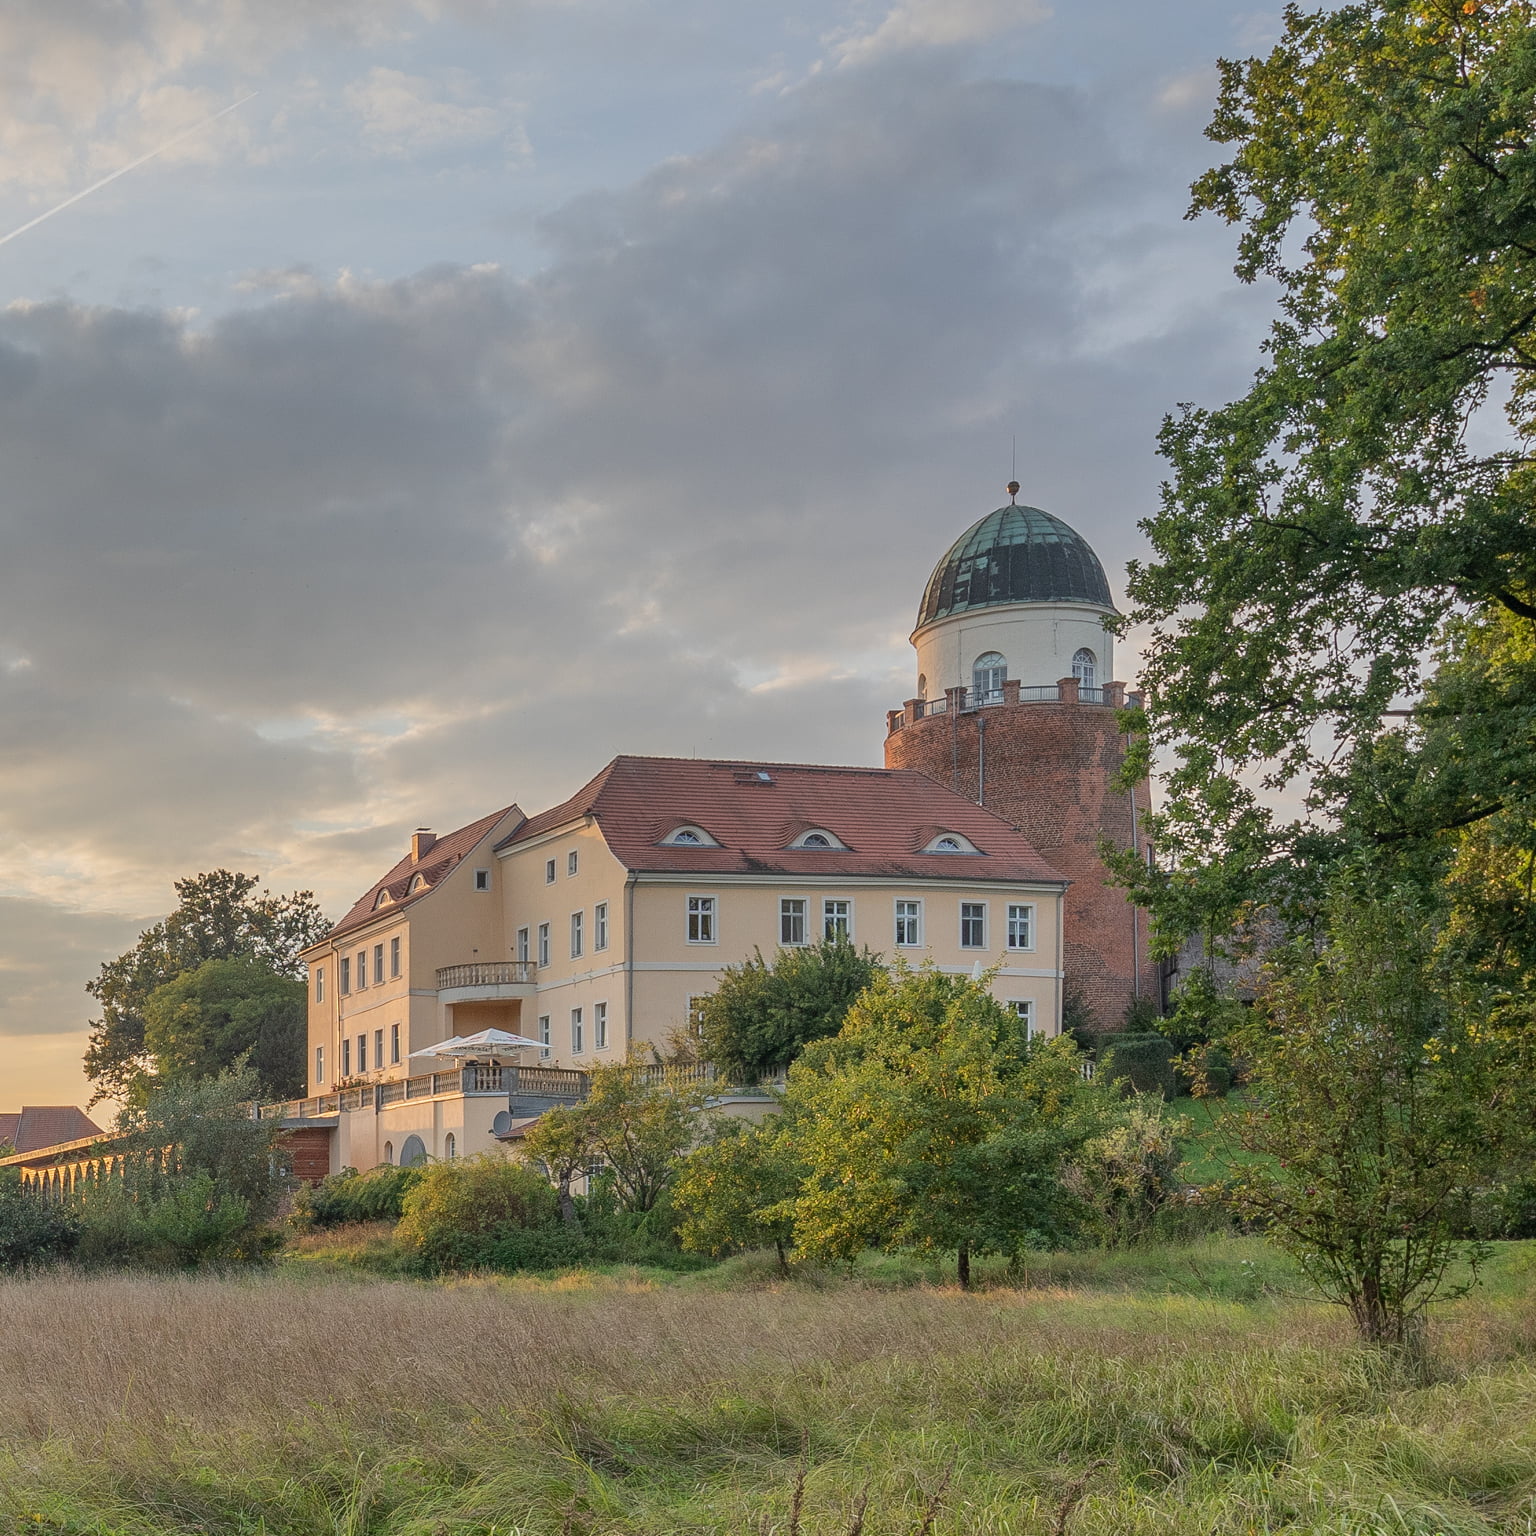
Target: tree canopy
x=1356, y=533
x=764, y=1012
x=218, y=916
x=207, y=1019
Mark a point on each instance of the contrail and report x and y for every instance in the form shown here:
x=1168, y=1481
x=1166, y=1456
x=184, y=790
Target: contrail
x=131, y=166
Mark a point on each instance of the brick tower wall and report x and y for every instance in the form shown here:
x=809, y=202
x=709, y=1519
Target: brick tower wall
x=1049, y=769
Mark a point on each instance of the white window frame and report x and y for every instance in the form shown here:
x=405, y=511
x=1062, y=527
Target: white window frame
x=543, y=944
x=361, y=978
x=346, y=1056
x=572, y=863
x=600, y=926
x=599, y=1026
x=450, y=1147
x=1024, y=1007
x=915, y=917
x=378, y=965
x=319, y=1065
x=394, y=957
x=967, y=916
x=695, y=1020
x=544, y=1045
x=578, y=1033
x=828, y=916
x=346, y=975
x=578, y=933
x=394, y=1045
x=522, y=944
x=787, y=916
x=378, y=1049
x=319, y=983
x=549, y=871
x=1021, y=915
x=362, y=1053
x=482, y=879
x=703, y=919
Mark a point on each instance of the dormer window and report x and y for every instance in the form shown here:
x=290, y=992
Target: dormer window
x=819, y=837
x=418, y=883
x=382, y=900
x=951, y=842
x=688, y=837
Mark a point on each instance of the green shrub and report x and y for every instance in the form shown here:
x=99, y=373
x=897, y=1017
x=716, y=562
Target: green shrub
x=32, y=1231
x=1126, y=1176
x=1143, y=1063
x=348, y=1196
x=454, y=1212
x=1206, y=1072
x=185, y=1222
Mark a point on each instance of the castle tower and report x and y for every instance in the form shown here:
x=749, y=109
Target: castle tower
x=1015, y=708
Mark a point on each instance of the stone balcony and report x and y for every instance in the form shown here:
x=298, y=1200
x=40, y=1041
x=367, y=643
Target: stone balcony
x=487, y=981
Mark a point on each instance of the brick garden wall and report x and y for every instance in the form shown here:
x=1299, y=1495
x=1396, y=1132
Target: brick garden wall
x=1049, y=770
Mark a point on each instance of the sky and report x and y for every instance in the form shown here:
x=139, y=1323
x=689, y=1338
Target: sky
x=509, y=384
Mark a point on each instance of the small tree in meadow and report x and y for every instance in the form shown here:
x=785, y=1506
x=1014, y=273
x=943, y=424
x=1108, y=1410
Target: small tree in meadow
x=1384, y=1089
x=737, y=1192
x=932, y=1121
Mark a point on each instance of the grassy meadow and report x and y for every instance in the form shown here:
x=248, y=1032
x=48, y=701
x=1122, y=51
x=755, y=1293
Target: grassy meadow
x=1189, y=1389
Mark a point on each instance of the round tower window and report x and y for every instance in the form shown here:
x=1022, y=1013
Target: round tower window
x=987, y=678
x=1085, y=668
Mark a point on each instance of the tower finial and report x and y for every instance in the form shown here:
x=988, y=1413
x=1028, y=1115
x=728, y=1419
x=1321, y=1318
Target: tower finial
x=1013, y=493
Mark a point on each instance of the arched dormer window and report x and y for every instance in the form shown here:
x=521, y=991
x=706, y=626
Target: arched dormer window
x=383, y=899
x=1085, y=668
x=418, y=883
x=688, y=837
x=819, y=837
x=987, y=677
x=951, y=842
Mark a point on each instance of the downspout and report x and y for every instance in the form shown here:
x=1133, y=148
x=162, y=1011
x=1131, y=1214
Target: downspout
x=1135, y=910
x=981, y=760
x=629, y=961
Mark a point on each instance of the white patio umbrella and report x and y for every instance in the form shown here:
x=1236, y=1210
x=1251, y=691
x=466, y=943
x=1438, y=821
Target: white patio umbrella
x=487, y=1043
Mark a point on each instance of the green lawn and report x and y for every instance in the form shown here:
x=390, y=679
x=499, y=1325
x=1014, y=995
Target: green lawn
x=1186, y=1390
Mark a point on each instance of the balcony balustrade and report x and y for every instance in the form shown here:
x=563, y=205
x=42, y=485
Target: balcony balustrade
x=488, y=973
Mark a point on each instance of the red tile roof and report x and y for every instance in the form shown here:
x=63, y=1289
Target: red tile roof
x=886, y=817
x=46, y=1125
x=448, y=851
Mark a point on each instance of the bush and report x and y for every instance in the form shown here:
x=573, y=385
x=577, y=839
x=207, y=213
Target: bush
x=348, y=1196
x=1143, y=1063
x=1127, y=1176
x=32, y=1231
x=454, y=1213
x=184, y=1222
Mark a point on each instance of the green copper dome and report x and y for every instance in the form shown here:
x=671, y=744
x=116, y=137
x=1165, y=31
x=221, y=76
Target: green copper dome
x=1014, y=555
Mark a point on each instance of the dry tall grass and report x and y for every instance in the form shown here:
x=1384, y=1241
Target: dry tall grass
x=277, y=1404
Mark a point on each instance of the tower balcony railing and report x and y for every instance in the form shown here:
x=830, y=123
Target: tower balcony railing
x=967, y=700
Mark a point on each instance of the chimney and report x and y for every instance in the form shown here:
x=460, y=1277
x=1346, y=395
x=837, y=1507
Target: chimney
x=421, y=844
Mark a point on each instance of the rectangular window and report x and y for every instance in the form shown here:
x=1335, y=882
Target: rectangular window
x=378, y=1049
x=394, y=957
x=346, y=976
x=575, y=935
x=836, y=920
x=549, y=872
x=362, y=969
x=600, y=925
x=543, y=943
x=482, y=879
x=319, y=1065
x=909, y=924
x=1026, y=1011
x=791, y=920
x=378, y=965
x=570, y=863
x=578, y=1037
x=599, y=1026
x=394, y=1045
x=696, y=1015
x=346, y=1058
x=701, y=919
x=973, y=925
x=543, y=1034
x=362, y=1053
x=1021, y=926
x=319, y=983
x=522, y=943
